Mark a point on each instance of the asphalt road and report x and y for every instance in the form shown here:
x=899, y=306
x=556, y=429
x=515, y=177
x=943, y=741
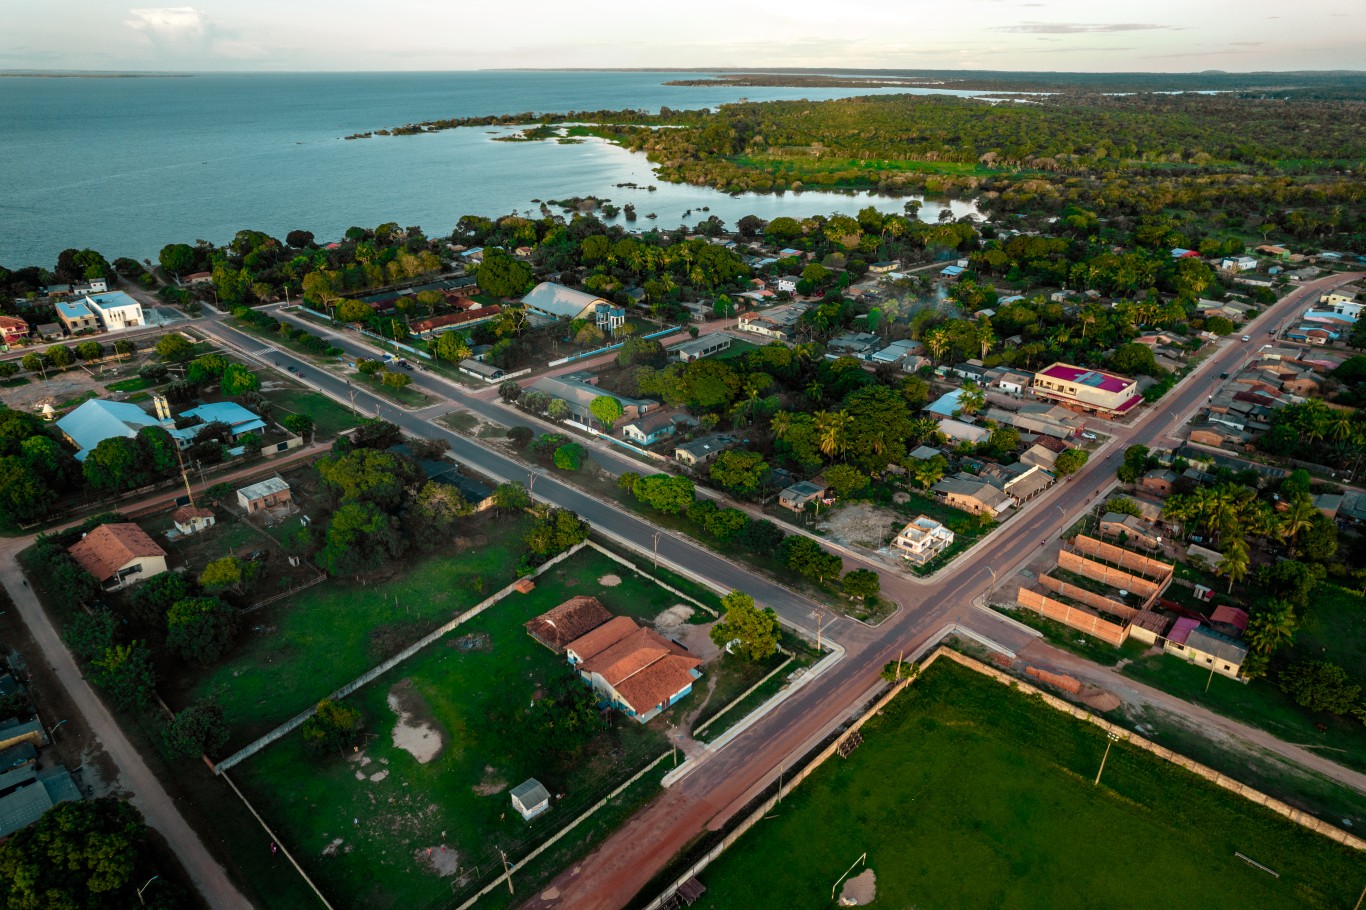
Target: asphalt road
x=723, y=783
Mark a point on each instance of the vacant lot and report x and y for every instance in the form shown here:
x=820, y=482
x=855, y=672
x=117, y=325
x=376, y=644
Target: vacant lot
x=329, y=418
x=447, y=736
x=966, y=794
x=298, y=650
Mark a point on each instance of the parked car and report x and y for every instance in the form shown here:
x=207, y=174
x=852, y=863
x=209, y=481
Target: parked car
x=1247, y=337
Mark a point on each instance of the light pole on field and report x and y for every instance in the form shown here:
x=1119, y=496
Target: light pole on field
x=656, y=548
x=1113, y=738
x=52, y=734
x=144, y=888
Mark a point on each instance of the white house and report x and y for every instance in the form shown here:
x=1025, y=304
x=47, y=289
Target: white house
x=922, y=540
x=530, y=798
x=118, y=555
x=1238, y=264
x=787, y=284
x=115, y=310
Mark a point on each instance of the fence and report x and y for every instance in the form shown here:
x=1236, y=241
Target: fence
x=1079, y=618
x=1125, y=559
x=297, y=720
x=1220, y=780
x=635, y=568
x=389, y=341
x=317, y=579
x=1115, y=578
x=607, y=349
x=1089, y=598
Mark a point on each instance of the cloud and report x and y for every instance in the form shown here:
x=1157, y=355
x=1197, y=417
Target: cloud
x=182, y=27
x=1077, y=28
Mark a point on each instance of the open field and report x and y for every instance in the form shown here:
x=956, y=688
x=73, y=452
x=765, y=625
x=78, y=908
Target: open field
x=1334, y=628
x=1258, y=703
x=329, y=418
x=967, y=794
x=469, y=694
x=298, y=650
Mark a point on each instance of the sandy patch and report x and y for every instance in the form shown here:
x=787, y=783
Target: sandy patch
x=861, y=525
x=697, y=639
x=416, y=732
x=440, y=859
x=673, y=617
x=859, y=890
x=331, y=849
x=609, y=581
x=492, y=783
x=379, y=776
x=550, y=894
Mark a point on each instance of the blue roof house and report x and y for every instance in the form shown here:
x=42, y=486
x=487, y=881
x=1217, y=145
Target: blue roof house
x=233, y=414
x=945, y=405
x=95, y=421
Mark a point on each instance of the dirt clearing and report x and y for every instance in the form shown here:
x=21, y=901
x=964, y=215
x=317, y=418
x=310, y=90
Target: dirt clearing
x=440, y=859
x=416, y=732
x=861, y=525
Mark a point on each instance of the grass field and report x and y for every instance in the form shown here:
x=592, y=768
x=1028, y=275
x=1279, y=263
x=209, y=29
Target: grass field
x=1334, y=628
x=966, y=794
x=329, y=418
x=1070, y=639
x=300, y=649
x=408, y=396
x=474, y=688
x=1258, y=703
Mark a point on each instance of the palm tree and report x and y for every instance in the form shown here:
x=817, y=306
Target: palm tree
x=1297, y=518
x=832, y=428
x=781, y=424
x=927, y=474
x=936, y=342
x=1235, y=563
x=922, y=428
x=814, y=392
x=1272, y=626
x=986, y=338
x=971, y=398
x=1340, y=425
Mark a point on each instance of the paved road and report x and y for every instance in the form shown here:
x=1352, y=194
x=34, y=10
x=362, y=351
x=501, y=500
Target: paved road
x=729, y=778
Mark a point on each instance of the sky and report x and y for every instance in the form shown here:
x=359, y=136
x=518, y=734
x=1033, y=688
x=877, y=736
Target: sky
x=405, y=35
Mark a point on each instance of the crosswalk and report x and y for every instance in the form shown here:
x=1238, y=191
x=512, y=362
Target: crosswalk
x=265, y=352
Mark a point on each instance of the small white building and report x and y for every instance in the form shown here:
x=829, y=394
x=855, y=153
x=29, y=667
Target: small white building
x=115, y=310
x=922, y=540
x=192, y=519
x=530, y=798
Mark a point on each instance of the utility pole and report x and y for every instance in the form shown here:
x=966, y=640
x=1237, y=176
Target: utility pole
x=1211, y=678
x=656, y=548
x=1113, y=738
x=820, y=625
x=899, y=658
x=507, y=869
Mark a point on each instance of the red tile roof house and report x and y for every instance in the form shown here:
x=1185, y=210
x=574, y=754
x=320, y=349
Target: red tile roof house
x=568, y=622
x=13, y=329
x=636, y=670
x=119, y=555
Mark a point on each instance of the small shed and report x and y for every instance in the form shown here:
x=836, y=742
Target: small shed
x=530, y=798
x=191, y=519
x=268, y=494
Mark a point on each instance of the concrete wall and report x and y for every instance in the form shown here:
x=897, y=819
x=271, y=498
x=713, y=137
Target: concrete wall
x=1089, y=598
x=1115, y=578
x=1149, y=568
x=1077, y=618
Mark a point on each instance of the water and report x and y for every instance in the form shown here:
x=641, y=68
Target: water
x=125, y=166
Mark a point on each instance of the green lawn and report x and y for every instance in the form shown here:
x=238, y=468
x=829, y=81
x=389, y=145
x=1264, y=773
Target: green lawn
x=737, y=348
x=474, y=686
x=966, y=794
x=329, y=418
x=1334, y=629
x=300, y=649
x=1258, y=703
x=407, y=396
x=135, y=384
x=1070, y=639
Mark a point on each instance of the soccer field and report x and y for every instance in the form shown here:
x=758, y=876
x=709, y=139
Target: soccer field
x=967, y=794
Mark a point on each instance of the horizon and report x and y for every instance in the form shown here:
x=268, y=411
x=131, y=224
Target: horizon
x=732, y=70
x=1166, y=36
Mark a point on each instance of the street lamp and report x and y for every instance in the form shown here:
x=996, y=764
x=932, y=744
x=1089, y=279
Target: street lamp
x=1113, y=738
x=656, y=548
x=52, y=734
x=144, y=888
x=992, y=586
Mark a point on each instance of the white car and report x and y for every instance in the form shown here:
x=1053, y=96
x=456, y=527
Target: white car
x=1089, y=435
x=1247, y=338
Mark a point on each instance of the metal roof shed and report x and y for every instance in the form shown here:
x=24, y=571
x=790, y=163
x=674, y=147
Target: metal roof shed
x=530, y=798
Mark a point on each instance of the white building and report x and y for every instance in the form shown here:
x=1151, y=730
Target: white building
x=115, y=310
x=922, y=540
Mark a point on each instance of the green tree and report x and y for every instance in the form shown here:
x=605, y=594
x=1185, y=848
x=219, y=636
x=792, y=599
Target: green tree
x=1070, y=461
x=846, y=481
x=1320, y=685
x=665, y=492
x=200, y=629
x=80, y=854
x=174, y=348
x=198, y=730
x=369, y=475
x=501, y=275
x=607, y=410
x=61, y=356
x=354, y=311
x=451, y=347
x=333, y=725
x=125, y=672
x=24, y=495
x=90, y=635
x=436, y=509
x=566, y=718
x=226, y=573
x=756, y=629
x=299, y=425
x=359, y=539
x=396, y=380
x=511, y=496
x=36, y=362
x=8, y=369
x=177, y=258
x=741, y=473
x=1271, y=626
x=89, y=350
x=150, y=600
x=238, y=380
x=806, y=557
x=569, y=457
x=115, y=464
x=1235, y=563
x=1134, y=464
x=862, y=583
x=559, y=530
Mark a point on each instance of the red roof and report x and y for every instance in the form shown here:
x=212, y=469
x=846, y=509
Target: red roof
x=1232, y=616
x=568, y=622
x=436, y=322
x=110, y=547
x=185, y=514
x=1182, y=629
x=1096, y=379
